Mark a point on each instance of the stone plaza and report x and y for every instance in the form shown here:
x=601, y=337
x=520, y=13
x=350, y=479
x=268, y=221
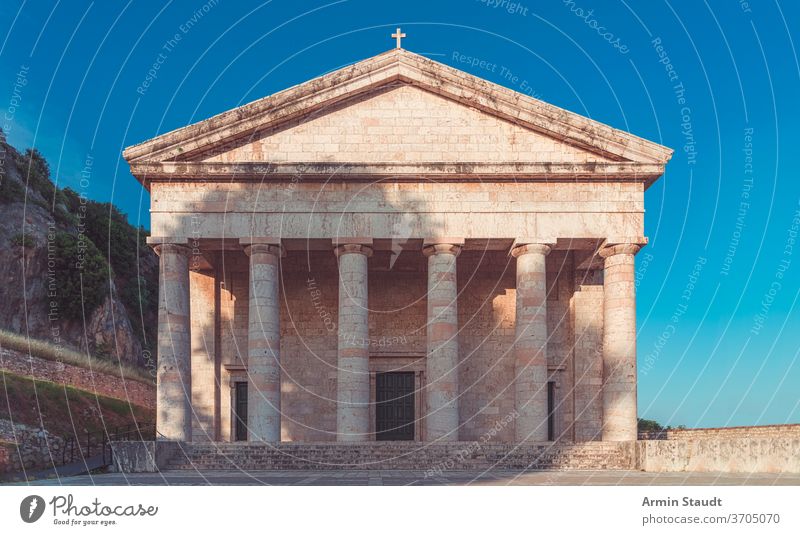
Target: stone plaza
x=420, y=478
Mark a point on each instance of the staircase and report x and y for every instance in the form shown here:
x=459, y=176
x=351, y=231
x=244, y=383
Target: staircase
x=439, y=457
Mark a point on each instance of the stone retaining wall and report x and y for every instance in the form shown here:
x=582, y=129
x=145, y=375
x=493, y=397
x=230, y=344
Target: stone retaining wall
x=743, y=455
x=144, y=456
x=756, y=431
x=27, y=447
x=134, y=392
x=7, y=451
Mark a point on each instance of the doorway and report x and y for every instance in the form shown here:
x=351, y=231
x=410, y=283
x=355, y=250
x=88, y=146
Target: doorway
x=394, y=406
x=240, y=411
x=551, y=411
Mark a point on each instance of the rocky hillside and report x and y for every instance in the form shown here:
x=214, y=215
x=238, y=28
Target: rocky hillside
x=73, y=271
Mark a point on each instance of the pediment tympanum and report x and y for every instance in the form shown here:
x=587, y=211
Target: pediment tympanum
x=403, y=116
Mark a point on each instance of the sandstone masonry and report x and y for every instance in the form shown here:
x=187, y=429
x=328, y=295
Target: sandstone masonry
x=398, y=250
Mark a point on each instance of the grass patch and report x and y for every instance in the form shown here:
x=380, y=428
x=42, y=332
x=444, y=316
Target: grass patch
x=48, y=351
x=65, y=410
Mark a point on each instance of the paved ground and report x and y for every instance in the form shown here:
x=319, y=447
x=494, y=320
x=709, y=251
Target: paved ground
x=376, y=477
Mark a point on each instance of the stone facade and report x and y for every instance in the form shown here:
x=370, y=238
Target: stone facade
x=397, y=217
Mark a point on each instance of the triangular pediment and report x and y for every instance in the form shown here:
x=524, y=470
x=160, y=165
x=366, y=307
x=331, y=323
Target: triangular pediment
x=398, y=122
x=401, y=108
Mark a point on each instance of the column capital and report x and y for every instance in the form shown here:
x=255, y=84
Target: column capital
x=619, y=248
x=531, y=248
x=265, y=248
x=171, y=244
x=442, y=248
x=445, y=240
x=158, y=240
x=252, y=240
x=174, y=248
x=352, y=248
x=350, y=240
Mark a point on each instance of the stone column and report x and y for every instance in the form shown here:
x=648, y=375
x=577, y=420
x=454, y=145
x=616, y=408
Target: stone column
x=205, y=366
x=441, y=420
x=264, y=344
x=619, y=343
x=530, y=346
x=352, y=392
x=174, y=376
x=587, y=318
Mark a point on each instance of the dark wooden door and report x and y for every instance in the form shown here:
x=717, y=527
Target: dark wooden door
x=551, y=411
x=394, y=406
x=241, y=411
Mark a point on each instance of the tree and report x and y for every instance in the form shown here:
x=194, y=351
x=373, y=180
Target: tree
x=647, y=426
x=36, y=171
x=81, y=275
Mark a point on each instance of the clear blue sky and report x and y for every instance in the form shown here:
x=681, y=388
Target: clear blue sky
x=704, y=357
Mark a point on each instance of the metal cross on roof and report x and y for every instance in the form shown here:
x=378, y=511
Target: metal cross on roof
x=399, y=36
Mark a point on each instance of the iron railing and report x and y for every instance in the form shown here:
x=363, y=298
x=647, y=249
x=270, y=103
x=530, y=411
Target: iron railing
x=98, y=444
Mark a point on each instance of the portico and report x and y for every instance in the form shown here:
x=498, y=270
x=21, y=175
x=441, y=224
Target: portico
x=399, y=242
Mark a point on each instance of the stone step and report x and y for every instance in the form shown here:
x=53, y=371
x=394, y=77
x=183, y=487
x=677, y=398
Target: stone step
x=402, y=456
x=394, y=453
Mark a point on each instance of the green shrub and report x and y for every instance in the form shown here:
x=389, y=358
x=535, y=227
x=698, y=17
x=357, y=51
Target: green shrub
x=138, y=294
x=34, y=170
x=11, y=190
x=649, y=426
x=71, y=199
x=110, y=231
x=24, y=239
x=81, y=275
x=124, y=246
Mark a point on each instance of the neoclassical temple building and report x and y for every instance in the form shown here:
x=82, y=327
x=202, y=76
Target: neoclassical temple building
x=397, y=250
